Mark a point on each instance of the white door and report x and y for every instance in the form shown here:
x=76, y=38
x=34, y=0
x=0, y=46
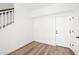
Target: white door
x=62, y=31
x=75, y=34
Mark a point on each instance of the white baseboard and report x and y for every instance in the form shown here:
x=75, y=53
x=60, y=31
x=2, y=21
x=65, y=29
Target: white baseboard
x=46, y=42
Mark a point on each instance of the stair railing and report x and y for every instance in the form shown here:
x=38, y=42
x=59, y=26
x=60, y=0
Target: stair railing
x=6, y=17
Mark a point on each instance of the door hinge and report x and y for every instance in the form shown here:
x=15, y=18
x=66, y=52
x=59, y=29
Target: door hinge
x=71, y=44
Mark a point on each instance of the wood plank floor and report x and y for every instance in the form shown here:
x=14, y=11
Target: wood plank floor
x=36, y=48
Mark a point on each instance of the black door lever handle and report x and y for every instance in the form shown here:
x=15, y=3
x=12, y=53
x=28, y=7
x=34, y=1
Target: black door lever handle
x=77, y=37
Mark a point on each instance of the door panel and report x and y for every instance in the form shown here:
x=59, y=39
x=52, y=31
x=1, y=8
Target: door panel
x=62, y=31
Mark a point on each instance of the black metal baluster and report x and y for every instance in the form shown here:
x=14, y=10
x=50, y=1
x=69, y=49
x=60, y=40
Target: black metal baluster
x=0, y=20
x=7, y=18
x=10, y=17
x=3, y=19
x=13, y=16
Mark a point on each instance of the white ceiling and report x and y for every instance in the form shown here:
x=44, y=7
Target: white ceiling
x=29, y=6
x=6, y=5
x=34, y=6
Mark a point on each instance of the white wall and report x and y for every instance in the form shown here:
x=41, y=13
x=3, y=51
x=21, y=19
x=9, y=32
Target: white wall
x=18, y=34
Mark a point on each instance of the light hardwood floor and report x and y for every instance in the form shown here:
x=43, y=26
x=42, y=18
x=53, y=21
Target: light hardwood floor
x=36, y=48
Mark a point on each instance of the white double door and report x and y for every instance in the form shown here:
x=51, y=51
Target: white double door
x=67, y=32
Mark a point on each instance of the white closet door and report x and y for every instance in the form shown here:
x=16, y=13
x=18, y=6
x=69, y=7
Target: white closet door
x=75, y=34
x=62, y=31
